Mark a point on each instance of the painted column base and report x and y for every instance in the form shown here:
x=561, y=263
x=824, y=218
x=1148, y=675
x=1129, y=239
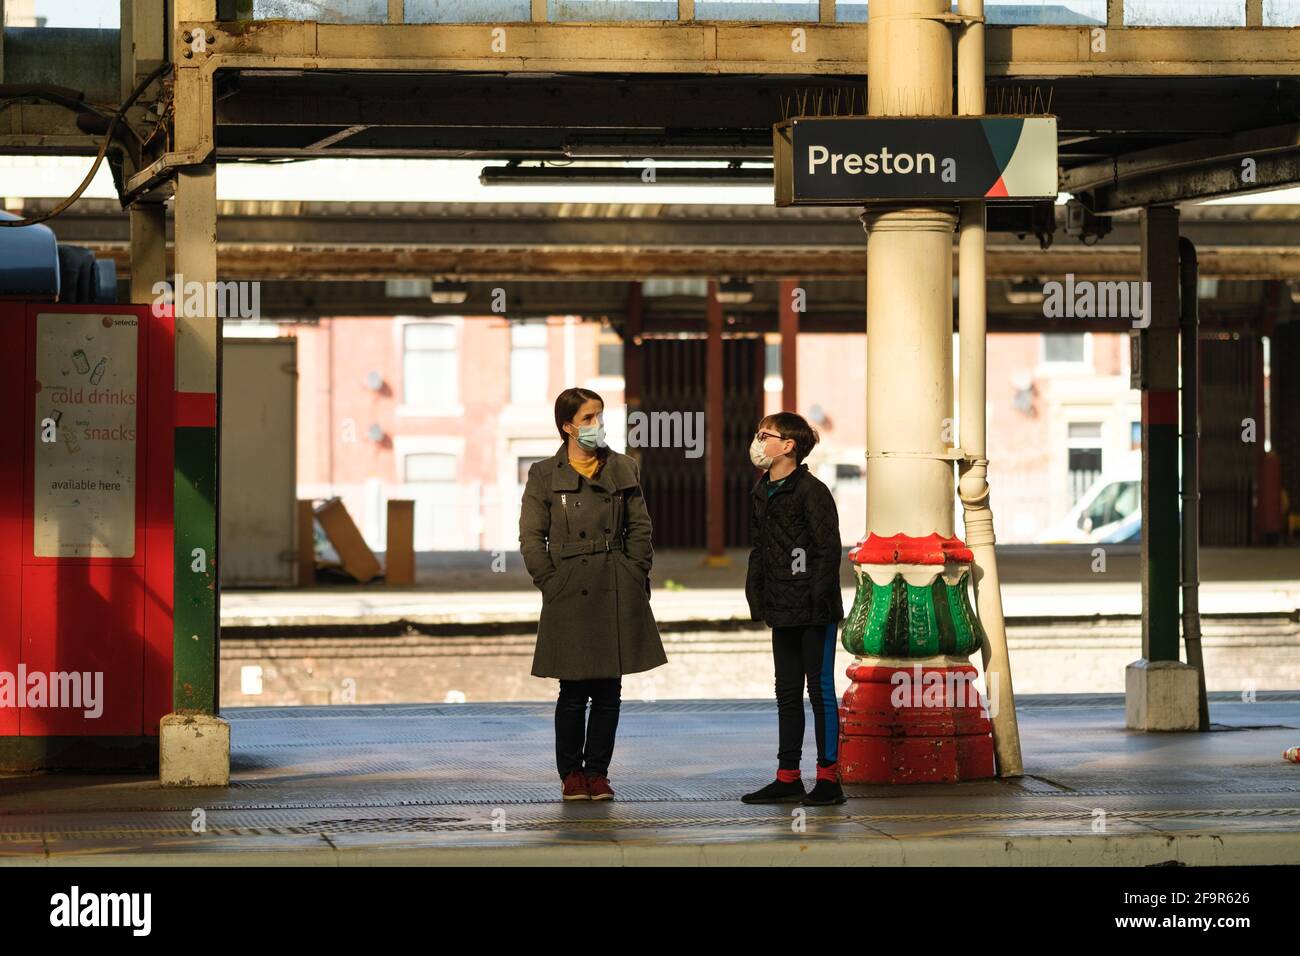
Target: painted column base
x=1161, y=695
x=194, y=751
x=914, y=722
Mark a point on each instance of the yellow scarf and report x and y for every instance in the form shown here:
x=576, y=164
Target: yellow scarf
x=586, y=468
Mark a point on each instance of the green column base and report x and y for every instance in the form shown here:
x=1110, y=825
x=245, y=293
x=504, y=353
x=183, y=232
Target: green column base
x=905, y=620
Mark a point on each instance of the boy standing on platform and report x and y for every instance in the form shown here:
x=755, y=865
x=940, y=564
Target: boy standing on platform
x=793, y=585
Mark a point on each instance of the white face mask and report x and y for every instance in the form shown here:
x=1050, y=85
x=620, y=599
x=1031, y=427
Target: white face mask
x=756, y=455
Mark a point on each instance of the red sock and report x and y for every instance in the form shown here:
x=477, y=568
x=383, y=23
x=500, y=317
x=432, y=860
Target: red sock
x=787, y=776
x=831, y=773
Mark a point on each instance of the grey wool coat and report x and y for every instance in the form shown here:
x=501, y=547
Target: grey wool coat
x=587, y=546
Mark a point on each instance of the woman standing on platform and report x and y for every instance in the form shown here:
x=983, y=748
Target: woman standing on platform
x=585, y=536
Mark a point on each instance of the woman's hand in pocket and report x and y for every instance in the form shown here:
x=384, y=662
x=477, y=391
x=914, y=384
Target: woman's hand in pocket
x=549, y=586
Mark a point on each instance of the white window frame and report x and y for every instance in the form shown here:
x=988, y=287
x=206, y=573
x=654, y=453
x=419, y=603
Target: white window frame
x=406, y=479
x=457, y=408
x=1049, y=367
x=544, y=348
x=406, y=445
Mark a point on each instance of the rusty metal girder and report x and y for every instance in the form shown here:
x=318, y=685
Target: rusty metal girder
x=278, y=263
x=1248, y=161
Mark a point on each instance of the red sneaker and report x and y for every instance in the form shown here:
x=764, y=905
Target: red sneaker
x=599, y=788
x=575, y=786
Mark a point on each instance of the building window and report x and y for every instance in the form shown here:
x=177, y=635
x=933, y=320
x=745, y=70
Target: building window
x=1084, y=461
x=523, y=463
x=1135, y=435
x=430, y=365
x=528, y=365
x=429, y=467
x=1064, y=348
x=609, y=359
x=772, y=358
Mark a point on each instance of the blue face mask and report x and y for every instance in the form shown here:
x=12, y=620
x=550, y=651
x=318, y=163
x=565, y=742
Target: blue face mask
x=591, y=436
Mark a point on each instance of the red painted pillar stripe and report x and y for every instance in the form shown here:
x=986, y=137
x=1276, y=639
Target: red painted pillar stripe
x=196, y=410
x=1160, y=407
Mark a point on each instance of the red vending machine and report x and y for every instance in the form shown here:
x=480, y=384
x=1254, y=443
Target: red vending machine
x=86, y=552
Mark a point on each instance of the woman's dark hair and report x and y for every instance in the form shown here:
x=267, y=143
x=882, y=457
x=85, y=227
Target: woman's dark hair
x=567, y=404
x=796, y=428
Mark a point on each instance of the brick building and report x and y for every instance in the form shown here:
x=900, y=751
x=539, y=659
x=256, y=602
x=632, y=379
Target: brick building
x=451, y=412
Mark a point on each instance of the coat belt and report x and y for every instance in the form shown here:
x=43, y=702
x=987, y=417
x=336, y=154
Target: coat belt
x=588, y=547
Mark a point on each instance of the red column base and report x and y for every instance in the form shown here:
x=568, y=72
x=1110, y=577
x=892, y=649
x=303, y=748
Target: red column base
x=927, y=725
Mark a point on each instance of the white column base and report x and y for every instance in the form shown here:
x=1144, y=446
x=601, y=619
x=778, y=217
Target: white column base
x=1161, y=695
x=194, y=751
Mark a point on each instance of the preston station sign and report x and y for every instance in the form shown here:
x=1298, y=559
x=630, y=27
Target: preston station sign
x=853, y=160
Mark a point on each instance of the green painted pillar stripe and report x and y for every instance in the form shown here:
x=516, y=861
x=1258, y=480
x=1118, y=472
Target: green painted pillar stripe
x=902, y=617
x=945, y=613
x=963, y=638
x=933, y=628
x=875, y=637
x=925, y=637
x=851, y=633
x=961, y=597
x=915, y=617
x=1163, y=535
x=194, y=681
x=896, y=635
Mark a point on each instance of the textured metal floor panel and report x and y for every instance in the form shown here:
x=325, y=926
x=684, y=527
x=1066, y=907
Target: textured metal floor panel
x=607, y=819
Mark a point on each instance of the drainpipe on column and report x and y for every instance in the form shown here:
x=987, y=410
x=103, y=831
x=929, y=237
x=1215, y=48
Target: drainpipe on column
x=1189, y=327
x=973, y=487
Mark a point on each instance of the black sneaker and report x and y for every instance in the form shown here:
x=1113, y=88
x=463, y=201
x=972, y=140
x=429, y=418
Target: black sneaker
x=824, y=794
x=777, y=792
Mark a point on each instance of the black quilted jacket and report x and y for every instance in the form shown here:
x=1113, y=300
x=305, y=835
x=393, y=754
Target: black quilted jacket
x=794, y=567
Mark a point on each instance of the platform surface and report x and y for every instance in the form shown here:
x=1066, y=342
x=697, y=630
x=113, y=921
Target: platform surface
x=476, y=784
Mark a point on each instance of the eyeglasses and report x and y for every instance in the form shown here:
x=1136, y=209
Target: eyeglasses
x=764, y=436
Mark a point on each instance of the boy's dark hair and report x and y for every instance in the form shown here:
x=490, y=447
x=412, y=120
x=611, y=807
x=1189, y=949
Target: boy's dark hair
x=567, y=404
x=795, y=427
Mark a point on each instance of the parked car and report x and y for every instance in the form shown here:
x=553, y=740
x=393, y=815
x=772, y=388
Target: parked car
x=1109, y=512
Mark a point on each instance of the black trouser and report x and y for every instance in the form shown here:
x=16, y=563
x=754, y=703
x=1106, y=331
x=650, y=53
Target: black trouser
x=583, y=743
x=806, y=653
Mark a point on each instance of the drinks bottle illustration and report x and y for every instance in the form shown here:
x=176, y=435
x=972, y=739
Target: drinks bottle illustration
x=80, y=361
x=98, y=374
